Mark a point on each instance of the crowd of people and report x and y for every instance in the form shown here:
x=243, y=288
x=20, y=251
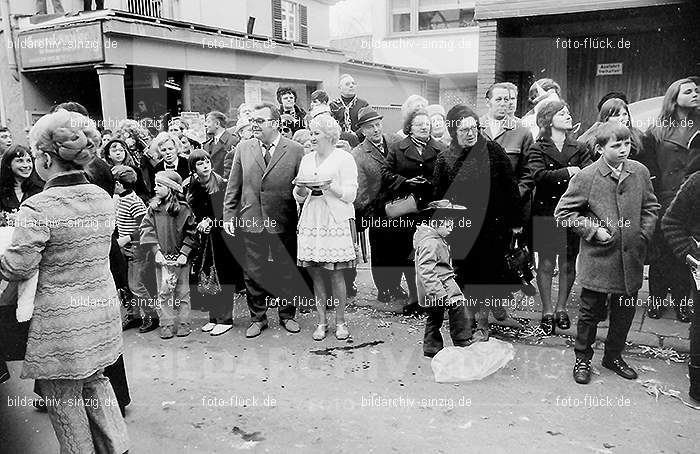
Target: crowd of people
x=274, y=205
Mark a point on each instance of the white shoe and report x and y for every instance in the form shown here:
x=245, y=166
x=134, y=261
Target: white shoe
x=320, y=332
x=208, y=327
x=220, y=329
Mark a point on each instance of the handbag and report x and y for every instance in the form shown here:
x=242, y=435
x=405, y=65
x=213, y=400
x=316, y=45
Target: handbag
x=208, y=282
x=518, y=265
x=401, y=206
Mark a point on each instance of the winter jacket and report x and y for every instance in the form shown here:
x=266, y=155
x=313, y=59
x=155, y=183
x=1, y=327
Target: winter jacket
x=626, y=208
x=435, y=278
x=548, y=174
x=171, y=235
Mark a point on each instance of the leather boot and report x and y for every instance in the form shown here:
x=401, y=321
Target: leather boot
x=694, y=373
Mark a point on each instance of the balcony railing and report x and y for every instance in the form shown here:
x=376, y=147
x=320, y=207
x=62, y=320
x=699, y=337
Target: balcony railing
x=151, y=8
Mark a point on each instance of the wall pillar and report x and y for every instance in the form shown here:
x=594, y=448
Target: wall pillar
x=113, y=96
x=490, y=61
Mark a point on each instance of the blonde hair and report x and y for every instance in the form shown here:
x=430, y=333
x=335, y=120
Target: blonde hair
x=327, y=125
x=70, y=137
x=163, y=137
x=412, y=103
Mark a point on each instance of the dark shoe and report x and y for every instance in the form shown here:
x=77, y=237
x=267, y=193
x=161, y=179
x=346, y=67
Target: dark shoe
x=561, y=318
x=255, y=329
x=290, y=325
x=683, y=313
x=582, y=371
x=411, y=309
x=40, y=405
x=499, y=313
x=351, y=291
x=383, y=296
x=654, y=312
x=148, y=324
x=620, y=367
x=694, y=373
x=547, y=324
x=398, y=293
x=129, y=321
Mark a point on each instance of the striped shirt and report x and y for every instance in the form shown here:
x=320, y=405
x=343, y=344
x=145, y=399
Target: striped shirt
x=130, y=211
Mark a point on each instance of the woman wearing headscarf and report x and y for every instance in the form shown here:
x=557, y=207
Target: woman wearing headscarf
x=75, y=329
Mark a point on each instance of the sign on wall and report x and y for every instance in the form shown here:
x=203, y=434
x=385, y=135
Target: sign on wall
x=609, y=69
x=70, y=46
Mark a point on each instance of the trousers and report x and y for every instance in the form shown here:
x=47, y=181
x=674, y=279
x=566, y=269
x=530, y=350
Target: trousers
x=85, y=415
x=594, y=310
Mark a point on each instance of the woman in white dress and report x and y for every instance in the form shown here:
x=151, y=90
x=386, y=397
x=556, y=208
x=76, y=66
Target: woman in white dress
x=325, y=234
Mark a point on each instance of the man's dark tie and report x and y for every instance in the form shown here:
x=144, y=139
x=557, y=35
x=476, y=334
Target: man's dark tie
x=267, y=156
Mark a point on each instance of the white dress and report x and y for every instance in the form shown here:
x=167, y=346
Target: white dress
x=325, y=233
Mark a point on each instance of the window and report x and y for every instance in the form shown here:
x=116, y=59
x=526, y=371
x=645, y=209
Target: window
x=424, y=15
x=401, y=16
x=289, y=21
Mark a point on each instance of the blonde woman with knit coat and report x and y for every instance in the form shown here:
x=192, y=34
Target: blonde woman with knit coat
x=64, y=233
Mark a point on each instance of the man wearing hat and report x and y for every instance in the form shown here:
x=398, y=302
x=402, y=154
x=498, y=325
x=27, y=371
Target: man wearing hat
x=370, y=157
x=435, y=278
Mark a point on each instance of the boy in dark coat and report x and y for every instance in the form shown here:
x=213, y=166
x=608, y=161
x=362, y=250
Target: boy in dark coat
x=435, y=279
x=611, y=206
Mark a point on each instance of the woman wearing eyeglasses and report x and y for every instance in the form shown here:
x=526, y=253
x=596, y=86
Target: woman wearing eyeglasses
x=476, y=173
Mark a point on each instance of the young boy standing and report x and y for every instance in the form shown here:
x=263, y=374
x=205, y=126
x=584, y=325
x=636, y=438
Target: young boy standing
x=611, y=205
x=435, y=279
x=130, y=212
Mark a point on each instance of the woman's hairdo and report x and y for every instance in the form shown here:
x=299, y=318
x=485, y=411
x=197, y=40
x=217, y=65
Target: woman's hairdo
x=327, y=125
x=409, y=119
x=164, y=137
x=285, y=91
x=71, y=137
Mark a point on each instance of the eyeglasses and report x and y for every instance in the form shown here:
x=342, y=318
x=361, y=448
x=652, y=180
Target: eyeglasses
x=260, y=120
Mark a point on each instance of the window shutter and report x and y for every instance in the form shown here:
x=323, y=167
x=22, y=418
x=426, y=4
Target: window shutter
x=304, y=29
x=277, y=19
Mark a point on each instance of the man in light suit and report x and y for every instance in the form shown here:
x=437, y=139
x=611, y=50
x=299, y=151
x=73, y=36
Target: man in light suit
x=260, y=207
x=220, y=141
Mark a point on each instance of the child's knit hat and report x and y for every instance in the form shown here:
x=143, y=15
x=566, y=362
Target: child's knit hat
x=170, y=179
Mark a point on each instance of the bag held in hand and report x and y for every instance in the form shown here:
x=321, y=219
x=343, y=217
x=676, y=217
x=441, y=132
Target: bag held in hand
x=519, y=266
x=208, y=282
x=401, y=207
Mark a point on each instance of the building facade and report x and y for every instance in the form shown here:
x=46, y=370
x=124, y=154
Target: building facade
x=440, y=36
x=589, y=47
x=135, y=62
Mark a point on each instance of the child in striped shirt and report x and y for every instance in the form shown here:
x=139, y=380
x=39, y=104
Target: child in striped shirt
x=130, y=212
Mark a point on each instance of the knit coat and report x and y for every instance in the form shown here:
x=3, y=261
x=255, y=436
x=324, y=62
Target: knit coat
x=65, y=233
x=627, y=208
